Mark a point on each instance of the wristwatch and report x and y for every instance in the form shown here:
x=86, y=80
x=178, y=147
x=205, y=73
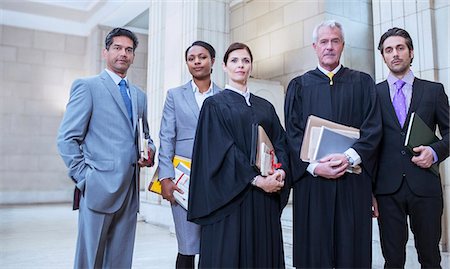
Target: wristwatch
x=253, y=182
x=349, y=159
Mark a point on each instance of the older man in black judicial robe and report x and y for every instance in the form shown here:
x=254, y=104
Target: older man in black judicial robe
x=241, y=225
x=332, y=216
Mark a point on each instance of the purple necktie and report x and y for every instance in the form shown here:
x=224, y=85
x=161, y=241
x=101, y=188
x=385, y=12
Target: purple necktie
x=399, y=102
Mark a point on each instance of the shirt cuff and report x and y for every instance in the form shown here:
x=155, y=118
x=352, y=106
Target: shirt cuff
x=354, y=155
x=435, y=157
x=311, y=168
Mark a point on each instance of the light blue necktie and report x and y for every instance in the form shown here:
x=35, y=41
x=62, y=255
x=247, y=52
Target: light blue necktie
x=125, y=97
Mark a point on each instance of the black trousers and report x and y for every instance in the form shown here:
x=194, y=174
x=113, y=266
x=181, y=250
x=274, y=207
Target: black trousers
x=425, y=220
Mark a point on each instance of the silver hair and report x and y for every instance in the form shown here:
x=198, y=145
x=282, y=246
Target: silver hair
x=331, y=24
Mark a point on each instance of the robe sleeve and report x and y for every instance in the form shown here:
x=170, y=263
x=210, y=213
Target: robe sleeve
x=294, y=129
x=278, y=139
x=220, y=171
x=371, y=128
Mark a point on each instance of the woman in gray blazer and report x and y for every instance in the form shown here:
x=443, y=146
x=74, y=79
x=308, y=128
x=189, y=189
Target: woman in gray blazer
x=177, y=132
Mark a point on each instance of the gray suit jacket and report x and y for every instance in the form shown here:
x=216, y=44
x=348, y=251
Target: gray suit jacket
x=178, y=125
x=98, y=142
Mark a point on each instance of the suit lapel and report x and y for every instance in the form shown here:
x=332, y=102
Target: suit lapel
x=189, y=97
x=134, y=105
x=417, y=92
x=114, y=91
x=386, y=99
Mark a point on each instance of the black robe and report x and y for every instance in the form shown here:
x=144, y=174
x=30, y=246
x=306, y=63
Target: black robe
x=332, y=218
x=241, y=225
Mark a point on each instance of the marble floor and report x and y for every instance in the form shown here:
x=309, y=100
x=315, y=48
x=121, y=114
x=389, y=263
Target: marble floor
x=44, y=236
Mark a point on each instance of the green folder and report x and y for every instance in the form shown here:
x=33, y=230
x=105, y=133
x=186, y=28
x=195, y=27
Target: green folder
x=420, y=134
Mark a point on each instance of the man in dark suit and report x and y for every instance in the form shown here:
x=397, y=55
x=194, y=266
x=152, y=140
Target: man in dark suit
x=405, y=186
x=97, y=141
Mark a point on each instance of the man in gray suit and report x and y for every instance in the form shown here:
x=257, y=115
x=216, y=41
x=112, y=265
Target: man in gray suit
x=97, y=140
x=178, y=125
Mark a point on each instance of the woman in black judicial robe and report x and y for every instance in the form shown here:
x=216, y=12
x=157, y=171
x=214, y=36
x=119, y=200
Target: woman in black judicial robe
x=238, y=209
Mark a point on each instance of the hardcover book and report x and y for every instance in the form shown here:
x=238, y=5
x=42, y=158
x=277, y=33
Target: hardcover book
x=418, y=133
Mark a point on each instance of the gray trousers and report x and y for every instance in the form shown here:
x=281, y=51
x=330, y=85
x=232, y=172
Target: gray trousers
x=107, y=240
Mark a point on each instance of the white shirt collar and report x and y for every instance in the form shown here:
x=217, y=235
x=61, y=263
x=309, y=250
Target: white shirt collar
x=246, y=94
x=116, y=78
x=195, y=88
x=334, y=71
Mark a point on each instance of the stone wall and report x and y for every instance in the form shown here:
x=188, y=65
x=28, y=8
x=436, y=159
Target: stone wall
x=37, y=69
x=279, y=33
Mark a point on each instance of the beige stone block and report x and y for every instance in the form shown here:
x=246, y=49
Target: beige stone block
x=359, y=35
x=76, y=45
x=424, y=5
x=255, y=9
x=20, y=89
x=143, y=43
x=7, y=88
x=409, y=8
x=376, y=12
x=366, y=13
x=8, y=54
x=49, y=125
x=47, y=75
x=25, y=124
x=352, y=9
x=300, y=10
x=276, y=4
x=138, y=76
x=237, y=17
x=298, y=60
x=18, y=72
x=214, y=16
x=17, y=144
x=250, y=31
x=30, y=55
x=260, y=47
x=238, y=33
x=272, y=67
x=12, y=105
x=308, y=27
x=397, y=9
x=15, y=163
x=362, y=60
x=429, y=74
x=286, y=39
x=442, y=35
x=64, y=60
x=269, y=22
x=398, y=22
x=441, y=3
x=255, y=70
x=17, y=37
x=443, y=77
x=49, y=107
x=50, y=163
x=49, y=41
x=5, y=123
x=426, y=41
x=140, y=60
x=385, y=11
x=45, y=145
x=334, y=7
